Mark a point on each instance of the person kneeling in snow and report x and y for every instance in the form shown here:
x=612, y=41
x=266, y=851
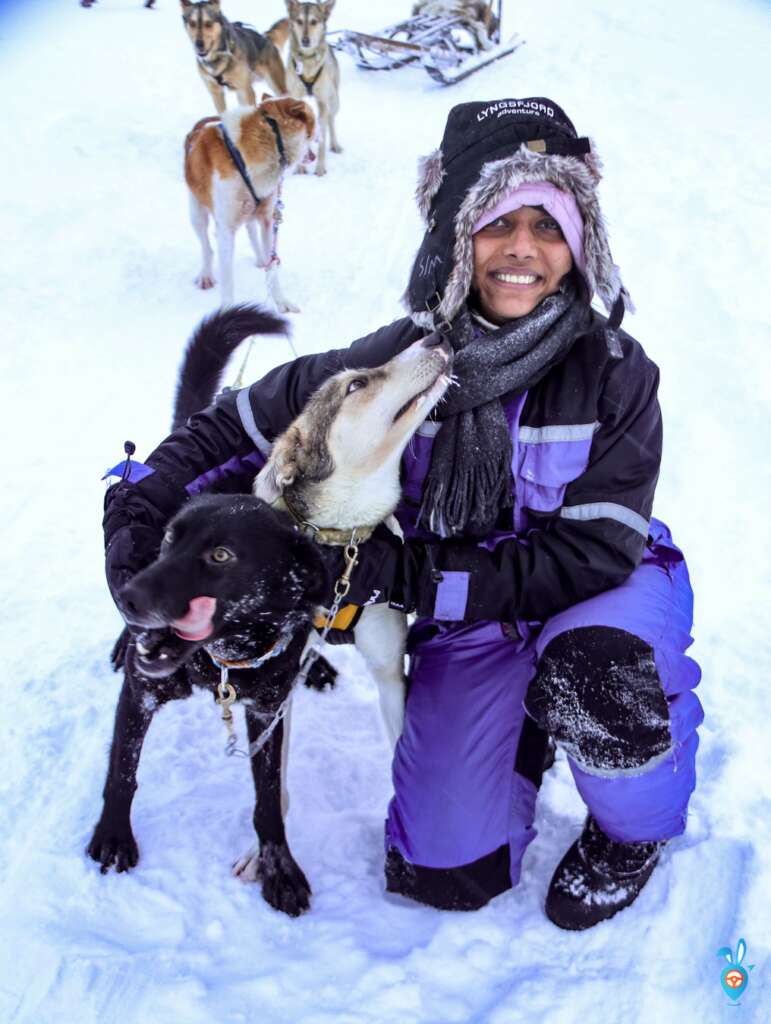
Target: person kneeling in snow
x=548, y=601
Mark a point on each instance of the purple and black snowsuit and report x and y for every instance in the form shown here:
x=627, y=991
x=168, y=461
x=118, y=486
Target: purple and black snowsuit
x=596, y=613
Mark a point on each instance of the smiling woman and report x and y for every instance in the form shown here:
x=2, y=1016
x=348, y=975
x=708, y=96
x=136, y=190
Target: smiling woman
x=547, y=599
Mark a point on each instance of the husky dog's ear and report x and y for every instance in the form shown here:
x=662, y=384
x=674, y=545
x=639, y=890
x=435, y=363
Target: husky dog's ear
x=185, y=4
x=293, y=8
x=327, y=6
x=301, y=111
x=281, y=468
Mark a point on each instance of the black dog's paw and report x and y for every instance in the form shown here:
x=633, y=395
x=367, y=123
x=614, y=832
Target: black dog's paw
x=284, y=885
x=112, y=846
x=321, y=675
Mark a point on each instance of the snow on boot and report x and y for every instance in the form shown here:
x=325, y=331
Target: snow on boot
x=597, y=877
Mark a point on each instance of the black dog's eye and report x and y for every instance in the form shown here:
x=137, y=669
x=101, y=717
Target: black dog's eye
x=355, y=384
x=221, y=555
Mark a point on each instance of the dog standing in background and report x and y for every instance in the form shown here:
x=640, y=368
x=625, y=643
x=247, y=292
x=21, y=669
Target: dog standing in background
x=230, y=55
x=312, y=70
x=270, y=139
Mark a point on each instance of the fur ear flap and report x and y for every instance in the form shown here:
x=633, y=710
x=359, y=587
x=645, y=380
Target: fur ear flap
x=430, y=177
x=293, y=8
x=185, y=4
x=281, y=468
x=328, y=5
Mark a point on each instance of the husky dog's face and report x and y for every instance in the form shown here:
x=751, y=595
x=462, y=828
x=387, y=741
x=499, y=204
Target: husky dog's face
x=308, y=23
x=203, y=22
x=343, y=450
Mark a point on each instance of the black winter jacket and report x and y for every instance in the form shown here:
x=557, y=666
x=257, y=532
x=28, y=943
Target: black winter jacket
x=590, y=544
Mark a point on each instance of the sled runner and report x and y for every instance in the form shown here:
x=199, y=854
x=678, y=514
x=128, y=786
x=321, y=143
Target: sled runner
x=450, y=39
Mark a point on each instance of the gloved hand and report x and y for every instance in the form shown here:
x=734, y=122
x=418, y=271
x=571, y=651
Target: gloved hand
x=378, y=576
x=452, y=580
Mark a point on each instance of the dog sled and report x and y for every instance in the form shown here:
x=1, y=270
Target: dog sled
x=450, y=39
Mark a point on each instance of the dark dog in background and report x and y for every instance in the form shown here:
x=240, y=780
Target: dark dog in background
x=231, y=55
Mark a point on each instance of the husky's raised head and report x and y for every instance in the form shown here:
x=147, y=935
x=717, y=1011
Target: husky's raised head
x=337, y=465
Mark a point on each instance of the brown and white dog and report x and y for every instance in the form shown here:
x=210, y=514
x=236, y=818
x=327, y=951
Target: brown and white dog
x=312, y=71
x=218, y=189
x=231, y=55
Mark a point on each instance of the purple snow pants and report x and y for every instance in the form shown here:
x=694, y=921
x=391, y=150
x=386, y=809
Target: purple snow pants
x=458, y=800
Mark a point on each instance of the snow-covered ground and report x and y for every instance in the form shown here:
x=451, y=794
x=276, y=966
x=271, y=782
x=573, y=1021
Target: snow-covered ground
x=96, y=301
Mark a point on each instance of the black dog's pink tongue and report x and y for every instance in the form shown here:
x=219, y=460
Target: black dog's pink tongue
x=196, y=623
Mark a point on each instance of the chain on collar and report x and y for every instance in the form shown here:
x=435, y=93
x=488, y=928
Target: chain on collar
x=227, y=695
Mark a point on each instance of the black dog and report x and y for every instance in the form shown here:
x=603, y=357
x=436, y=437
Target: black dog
x=234, y=581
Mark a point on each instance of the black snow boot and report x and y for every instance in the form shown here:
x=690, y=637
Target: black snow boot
x=597, y=877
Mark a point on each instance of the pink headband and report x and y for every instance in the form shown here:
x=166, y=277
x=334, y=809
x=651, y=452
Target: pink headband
x=561, y=205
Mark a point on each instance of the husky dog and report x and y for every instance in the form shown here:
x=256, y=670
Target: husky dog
x=236, y=582
x=312, y=69
x=477, y=17
x=231, y=55
x=271, y=138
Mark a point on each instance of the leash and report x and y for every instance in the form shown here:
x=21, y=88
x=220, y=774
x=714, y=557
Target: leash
x=342, y=586
x=226, y=692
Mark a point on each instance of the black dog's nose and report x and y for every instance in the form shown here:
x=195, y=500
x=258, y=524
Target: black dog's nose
x=306, y=41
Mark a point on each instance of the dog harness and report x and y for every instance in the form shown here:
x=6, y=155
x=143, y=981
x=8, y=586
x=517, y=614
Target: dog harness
x=238, y=160
x=308, y=84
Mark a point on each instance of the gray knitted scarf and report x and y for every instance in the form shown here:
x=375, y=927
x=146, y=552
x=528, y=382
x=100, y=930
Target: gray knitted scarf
x=469, y=481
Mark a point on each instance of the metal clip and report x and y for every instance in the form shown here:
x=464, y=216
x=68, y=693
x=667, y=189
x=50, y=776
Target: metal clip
x=351, y=551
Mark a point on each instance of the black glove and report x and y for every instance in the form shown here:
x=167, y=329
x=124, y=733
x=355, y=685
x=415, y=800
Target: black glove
x=454, y=581
x=378, y=576
x=458, y=581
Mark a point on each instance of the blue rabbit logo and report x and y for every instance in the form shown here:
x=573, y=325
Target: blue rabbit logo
x=734, y=978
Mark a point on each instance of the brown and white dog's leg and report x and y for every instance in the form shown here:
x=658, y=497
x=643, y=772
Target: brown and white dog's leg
x=261, y=236
x=199, y=218
x=258, y=243
x=226, y=235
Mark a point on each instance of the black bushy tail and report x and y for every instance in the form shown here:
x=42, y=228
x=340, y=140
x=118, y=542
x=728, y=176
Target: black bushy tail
x=213, y=342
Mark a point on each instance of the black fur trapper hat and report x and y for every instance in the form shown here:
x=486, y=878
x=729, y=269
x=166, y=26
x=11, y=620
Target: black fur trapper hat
x=488, y=150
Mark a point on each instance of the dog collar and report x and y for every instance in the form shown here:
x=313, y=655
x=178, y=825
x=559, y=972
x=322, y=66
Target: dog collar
x=272, y=652
x=328, y=534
